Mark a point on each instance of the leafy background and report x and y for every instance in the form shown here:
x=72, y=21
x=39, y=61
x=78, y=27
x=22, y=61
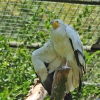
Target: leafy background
x=16, y=70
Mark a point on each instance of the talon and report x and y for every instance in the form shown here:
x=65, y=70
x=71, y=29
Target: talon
x=65, y=67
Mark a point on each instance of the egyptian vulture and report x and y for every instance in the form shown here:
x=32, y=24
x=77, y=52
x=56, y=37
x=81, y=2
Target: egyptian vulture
x=67, y=45
x=63, y=50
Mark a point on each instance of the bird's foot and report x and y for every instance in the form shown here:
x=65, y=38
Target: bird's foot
x=65, y=67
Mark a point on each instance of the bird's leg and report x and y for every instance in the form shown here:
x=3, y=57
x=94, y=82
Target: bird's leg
x=65, y=67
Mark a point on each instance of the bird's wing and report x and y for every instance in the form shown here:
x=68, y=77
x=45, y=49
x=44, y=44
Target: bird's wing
x=43, y=55
x=76, y=46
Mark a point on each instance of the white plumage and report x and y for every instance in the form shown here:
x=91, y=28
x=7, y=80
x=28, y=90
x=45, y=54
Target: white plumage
x=68, y=45
x=46, y=54
x=63, y=50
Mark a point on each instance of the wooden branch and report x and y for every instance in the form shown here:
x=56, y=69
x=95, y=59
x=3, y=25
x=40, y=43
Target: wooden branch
x=87, y=48
x=37, y=91
x=59, y=85
x=36, y=45
x=95, y=47
x=15, y=44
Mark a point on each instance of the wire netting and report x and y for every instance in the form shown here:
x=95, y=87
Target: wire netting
x=18, y=15
x=28, y=21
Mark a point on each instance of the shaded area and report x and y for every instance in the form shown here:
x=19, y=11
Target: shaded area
x=90, y=2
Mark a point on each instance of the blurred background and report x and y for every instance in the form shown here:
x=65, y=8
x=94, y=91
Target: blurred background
x=25, y=27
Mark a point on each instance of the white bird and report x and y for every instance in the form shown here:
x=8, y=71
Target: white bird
x=68, y=45
x=46, y=54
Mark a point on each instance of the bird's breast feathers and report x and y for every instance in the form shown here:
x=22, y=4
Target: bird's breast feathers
x=59, y=34
x=61, y=42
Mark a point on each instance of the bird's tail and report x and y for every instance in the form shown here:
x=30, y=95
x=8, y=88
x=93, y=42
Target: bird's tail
x=74, y=79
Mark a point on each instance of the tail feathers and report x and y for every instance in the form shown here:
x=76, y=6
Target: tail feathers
x=80, y=84
x=80, y=59
x=69, y=84
x=74, y=80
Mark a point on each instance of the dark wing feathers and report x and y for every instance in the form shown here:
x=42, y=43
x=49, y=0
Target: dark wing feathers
x=76, y=52
x=71, y=43
x=78, y=62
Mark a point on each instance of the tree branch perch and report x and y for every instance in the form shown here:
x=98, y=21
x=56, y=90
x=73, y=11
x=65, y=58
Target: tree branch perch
x=37, y=91
x=15, y=44
x=59, y=85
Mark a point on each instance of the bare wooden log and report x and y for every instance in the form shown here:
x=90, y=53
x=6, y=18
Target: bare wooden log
x=59, y=85
x=37, y=91
x=15, y=44
x=37, y=45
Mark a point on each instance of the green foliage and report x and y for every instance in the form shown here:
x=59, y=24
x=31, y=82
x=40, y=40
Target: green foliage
x=81, y=21
x=16, y=70
x=35, y=34
x=88, y=92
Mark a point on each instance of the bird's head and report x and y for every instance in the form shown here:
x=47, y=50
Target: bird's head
x=56, y=23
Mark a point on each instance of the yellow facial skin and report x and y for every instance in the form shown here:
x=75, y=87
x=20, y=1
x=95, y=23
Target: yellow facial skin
x=55, y=24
